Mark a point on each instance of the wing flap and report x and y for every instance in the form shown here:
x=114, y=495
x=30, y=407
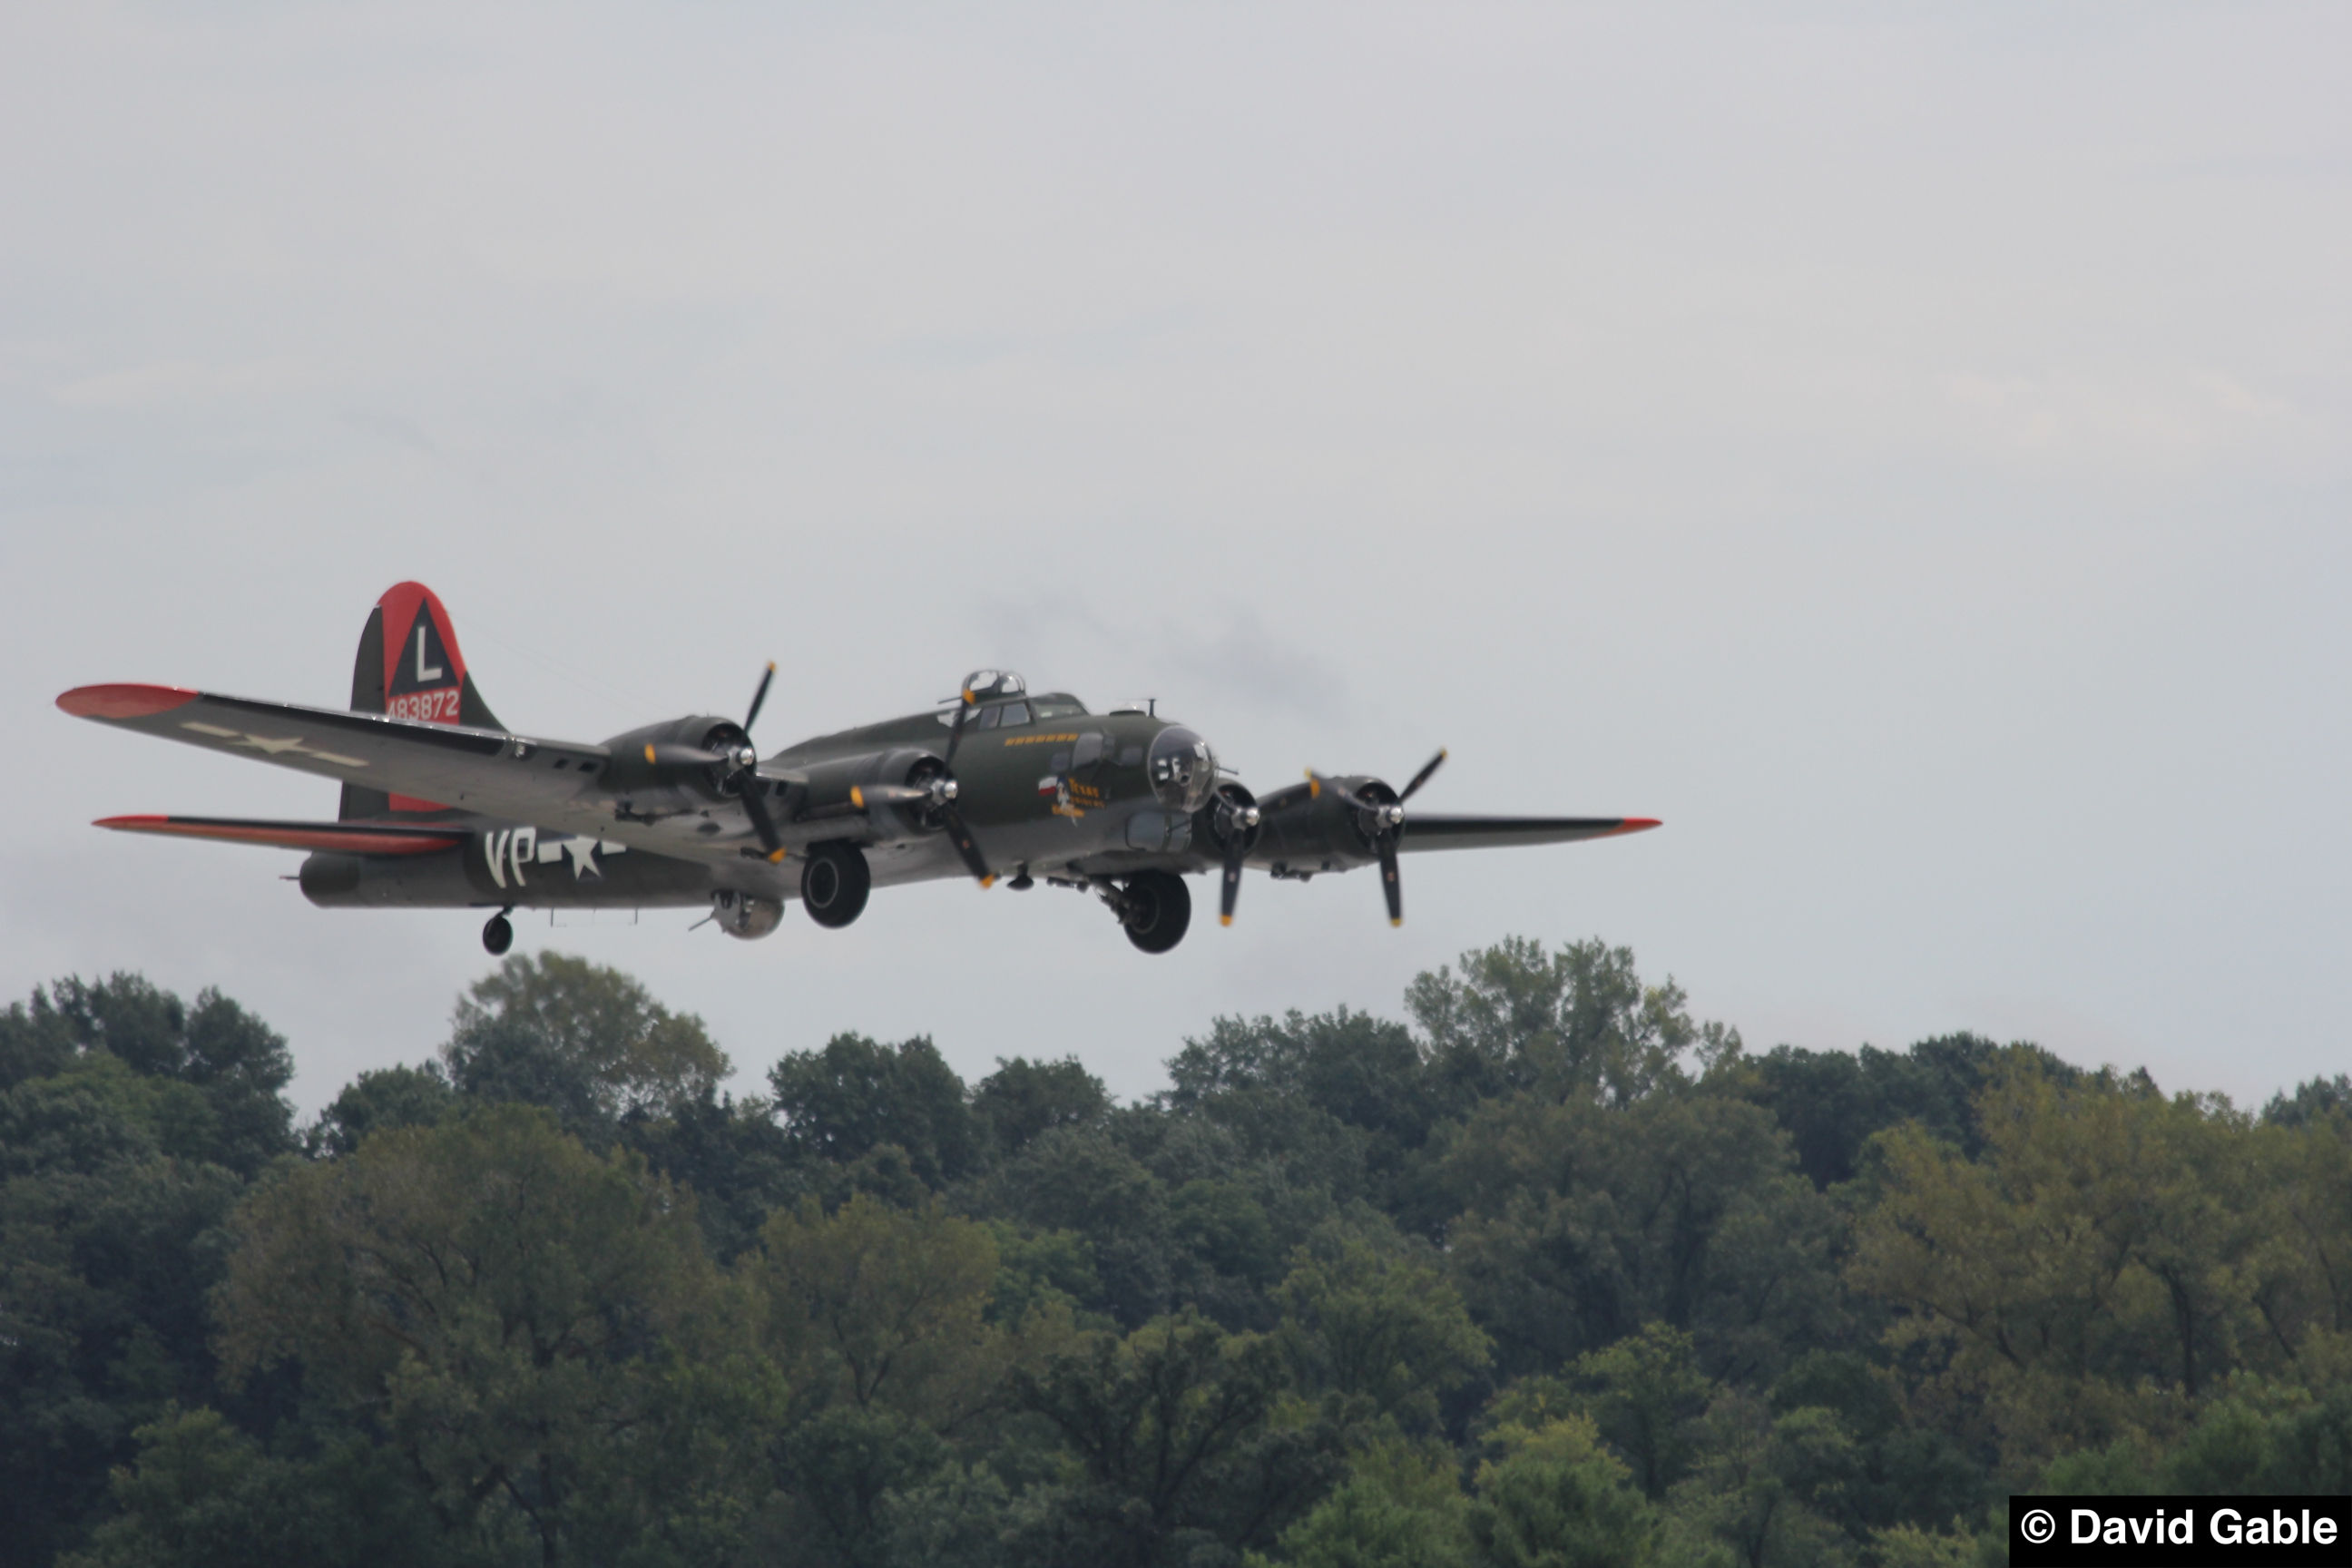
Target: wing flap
x=347, y=838
x=1424, y=830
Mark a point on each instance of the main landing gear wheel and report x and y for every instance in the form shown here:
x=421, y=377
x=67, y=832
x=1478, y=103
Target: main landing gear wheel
x=498, y=935
x=1157, y=909
x=835, y=880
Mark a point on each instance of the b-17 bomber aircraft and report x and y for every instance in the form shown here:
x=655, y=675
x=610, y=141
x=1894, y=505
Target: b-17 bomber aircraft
x=445, y=807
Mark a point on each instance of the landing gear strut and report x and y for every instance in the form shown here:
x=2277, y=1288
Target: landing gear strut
x=498, y=935
x=1155, y=907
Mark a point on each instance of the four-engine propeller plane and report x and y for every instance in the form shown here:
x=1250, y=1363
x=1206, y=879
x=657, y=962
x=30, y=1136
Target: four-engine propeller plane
x=443, y=807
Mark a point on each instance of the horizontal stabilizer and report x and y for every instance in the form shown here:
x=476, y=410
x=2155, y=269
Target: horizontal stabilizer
x=1425, y=830
x=345, y=838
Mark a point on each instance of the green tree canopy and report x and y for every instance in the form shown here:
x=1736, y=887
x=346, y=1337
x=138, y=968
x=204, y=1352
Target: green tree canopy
x=2110, y=1257
x=235, y=1061
x=1023, y=1099
x=1575, y=1023
x=582, y=1039
x=557, y=1298
x=1177, y=1449
x=128, y=1124
x=1578, y=1224
x=855, y=1095
x=379, y=1101
x=1551, y=1496
x=510, y=1311
x=1374, y=1321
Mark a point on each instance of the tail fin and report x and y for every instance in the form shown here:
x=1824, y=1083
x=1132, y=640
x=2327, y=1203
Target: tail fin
x=409, y=667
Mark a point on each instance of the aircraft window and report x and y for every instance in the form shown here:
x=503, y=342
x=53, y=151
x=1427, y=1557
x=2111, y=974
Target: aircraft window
x=1060, y=708
x=987, y=683
x=985, y=720
x=1090, y=750
x=1183, y=771
x=1131, y=756
x=1016, y=713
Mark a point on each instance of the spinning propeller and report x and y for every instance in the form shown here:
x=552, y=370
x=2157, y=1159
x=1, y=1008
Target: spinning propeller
x=1382, y=822
x=745, y=782
x=737, y=768
x=1235, y=826
x=937, y=794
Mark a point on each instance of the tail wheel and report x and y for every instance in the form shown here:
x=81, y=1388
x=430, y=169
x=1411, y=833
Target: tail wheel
x=1155, y=907
x=497, y=936
x=835, y=880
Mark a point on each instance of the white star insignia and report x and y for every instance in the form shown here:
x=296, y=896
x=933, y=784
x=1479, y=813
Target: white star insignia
x=275, y=746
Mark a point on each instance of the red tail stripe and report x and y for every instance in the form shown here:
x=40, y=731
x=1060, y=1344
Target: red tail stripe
x=400, y=602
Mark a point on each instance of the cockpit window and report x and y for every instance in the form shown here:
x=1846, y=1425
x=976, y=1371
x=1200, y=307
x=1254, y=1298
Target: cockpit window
x=986, y=718
x=1015, y=713
x=984, y=684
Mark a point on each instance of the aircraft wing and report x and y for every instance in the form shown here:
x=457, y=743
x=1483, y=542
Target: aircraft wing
x=1427, y=830
x=487, y=771
x=348, y=838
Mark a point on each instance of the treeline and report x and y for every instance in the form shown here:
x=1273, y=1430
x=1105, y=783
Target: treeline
x=1551, y=1274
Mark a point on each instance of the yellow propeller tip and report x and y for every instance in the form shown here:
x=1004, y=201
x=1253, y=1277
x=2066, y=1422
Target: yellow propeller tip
x=857, y=797
x=771, y=667
x=1398, y=922
x=1224, y=920
x=649, y=750
x=778, y=857
x=988, y=882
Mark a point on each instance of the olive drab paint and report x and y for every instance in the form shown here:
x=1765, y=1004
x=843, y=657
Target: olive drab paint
x=442, y=806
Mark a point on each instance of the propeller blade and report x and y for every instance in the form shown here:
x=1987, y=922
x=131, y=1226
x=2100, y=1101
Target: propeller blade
x=755, y=806
x=955, y=729
x=961, y=837
x=1232, y=890
x=1421, y=777
x=1389, y=884
x=760, y=697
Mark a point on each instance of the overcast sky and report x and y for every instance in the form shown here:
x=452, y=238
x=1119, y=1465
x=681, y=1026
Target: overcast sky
x=1903, y=447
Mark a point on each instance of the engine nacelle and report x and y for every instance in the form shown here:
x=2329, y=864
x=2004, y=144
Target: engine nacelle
x=828, y=791
x=1229, y=815
x=636, y=775
x=1304, y=830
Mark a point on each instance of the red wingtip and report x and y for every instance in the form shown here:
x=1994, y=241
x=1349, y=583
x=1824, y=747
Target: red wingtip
x=1638, y=824
x=126, y=701
x=131, y=824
